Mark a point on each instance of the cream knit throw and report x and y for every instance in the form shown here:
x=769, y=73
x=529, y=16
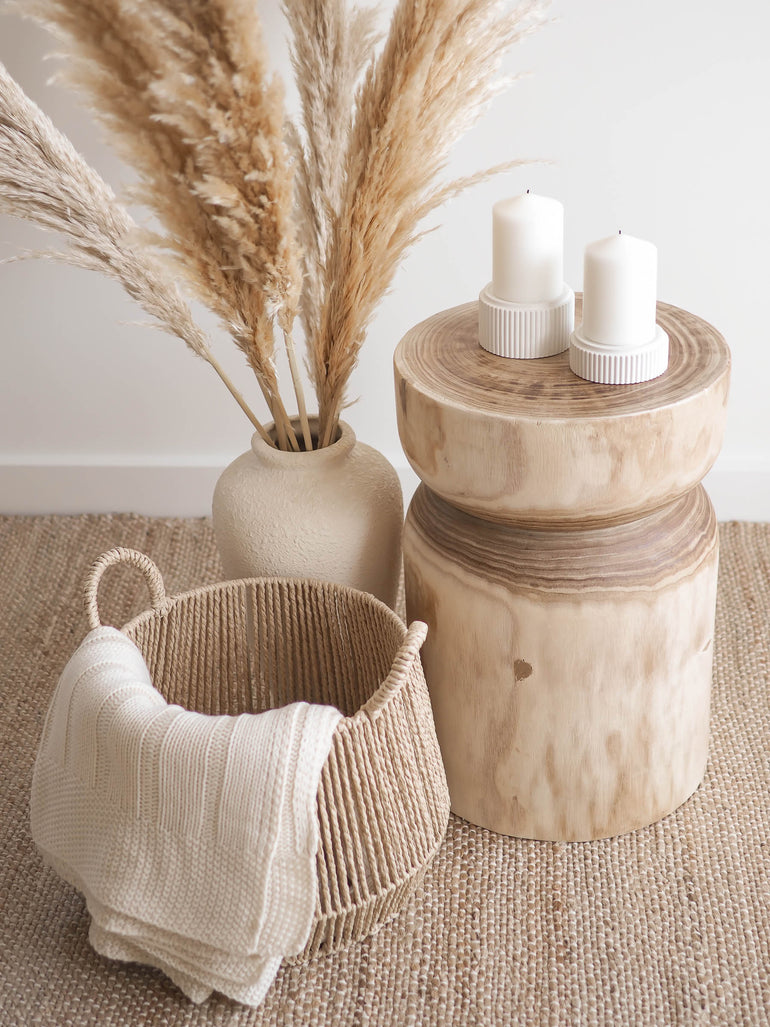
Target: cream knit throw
x=193, y=838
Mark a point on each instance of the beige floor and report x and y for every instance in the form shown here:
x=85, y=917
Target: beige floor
x=670, y=925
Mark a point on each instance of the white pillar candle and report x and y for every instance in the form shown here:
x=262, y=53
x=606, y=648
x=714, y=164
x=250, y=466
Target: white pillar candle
x=528, y=249
x=619, y=291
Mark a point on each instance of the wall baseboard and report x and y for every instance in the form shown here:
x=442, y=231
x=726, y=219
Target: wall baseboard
x=740, y=489
x=171, y=490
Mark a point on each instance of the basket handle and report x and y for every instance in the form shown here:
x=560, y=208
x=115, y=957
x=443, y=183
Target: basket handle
x=399, y=671
x=120, y=555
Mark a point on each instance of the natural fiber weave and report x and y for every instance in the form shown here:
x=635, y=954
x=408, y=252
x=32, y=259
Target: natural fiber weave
x=248, y=646
x=669, y=925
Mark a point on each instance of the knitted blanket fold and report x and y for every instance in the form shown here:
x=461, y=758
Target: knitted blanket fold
x=192, y=837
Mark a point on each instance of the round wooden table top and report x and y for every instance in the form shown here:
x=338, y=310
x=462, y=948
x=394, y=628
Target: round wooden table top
x=528, y=441
x=442, y=357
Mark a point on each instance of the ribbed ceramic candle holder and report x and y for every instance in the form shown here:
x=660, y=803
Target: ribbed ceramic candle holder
x=615, y=365
x=525, y=330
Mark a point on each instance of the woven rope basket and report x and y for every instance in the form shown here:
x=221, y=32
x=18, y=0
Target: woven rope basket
x=250, y=645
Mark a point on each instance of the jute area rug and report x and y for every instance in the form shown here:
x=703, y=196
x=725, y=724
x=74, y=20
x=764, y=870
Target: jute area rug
x=669, y=925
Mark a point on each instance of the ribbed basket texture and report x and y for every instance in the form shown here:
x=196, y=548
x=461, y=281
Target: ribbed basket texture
x=249, y=645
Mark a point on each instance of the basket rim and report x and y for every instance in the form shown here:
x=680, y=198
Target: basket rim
x=379, y=698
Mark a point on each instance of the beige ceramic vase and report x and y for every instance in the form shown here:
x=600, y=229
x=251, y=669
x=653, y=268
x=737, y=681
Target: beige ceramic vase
x=334, y=514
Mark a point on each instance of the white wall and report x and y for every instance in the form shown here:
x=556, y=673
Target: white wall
x=656, y=116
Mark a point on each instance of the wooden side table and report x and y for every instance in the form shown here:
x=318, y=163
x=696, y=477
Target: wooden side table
x=564, y=555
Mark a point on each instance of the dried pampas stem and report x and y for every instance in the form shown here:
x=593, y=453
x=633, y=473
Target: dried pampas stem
x=283, y=426
x=432, y=80
x=44, y=180
x=184, y=89
x=330, y=47
x=238, y=397
x=298, y=391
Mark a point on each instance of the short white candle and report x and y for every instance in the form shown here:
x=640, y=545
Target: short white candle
x=528, y=249
x=619, y=291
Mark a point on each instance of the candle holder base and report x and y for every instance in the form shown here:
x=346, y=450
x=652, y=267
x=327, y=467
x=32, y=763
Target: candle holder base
x=525, y=331
x=607, y=365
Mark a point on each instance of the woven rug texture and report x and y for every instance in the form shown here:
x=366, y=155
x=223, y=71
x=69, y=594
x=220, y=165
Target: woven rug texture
x=668, y=925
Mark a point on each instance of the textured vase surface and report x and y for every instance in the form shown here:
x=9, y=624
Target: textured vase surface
x=334, y=514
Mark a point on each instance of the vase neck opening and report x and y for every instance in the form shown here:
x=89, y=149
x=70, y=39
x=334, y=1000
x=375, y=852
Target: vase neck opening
x=343, y=442
x=313, y=422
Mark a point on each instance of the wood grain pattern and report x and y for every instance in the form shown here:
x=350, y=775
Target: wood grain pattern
x=564, y=556
x=528, y=442
x=570, y=677
x=444, y=355
x=640, y=554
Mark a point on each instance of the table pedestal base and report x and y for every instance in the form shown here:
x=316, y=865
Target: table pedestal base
x=569, y=669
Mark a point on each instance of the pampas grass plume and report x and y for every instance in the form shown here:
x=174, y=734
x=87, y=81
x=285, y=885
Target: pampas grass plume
x=262, y=219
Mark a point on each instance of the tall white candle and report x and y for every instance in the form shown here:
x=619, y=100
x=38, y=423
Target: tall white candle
x=528, y=249
x=619, y=291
